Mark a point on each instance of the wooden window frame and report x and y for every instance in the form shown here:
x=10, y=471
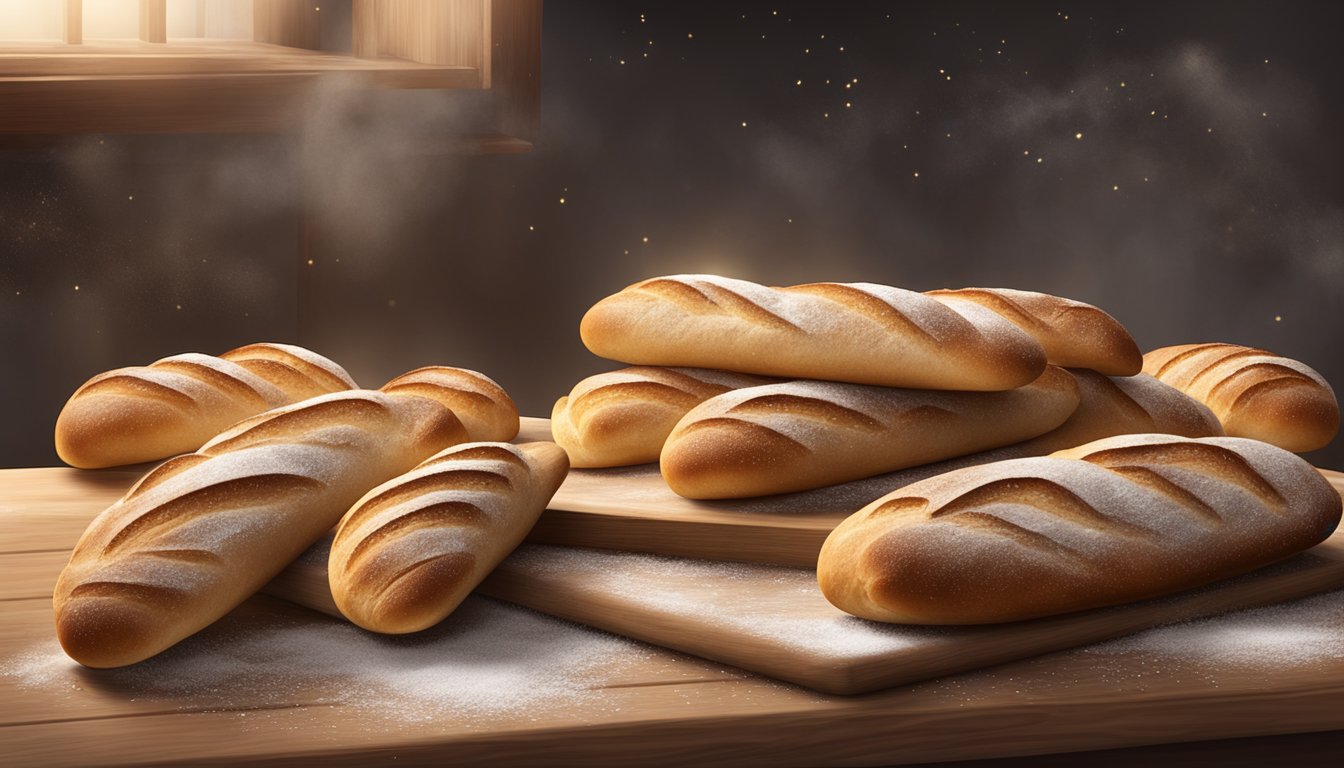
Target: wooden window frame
x=154, y=85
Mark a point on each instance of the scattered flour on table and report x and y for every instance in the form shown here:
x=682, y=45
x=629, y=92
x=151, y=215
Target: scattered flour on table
x=488, y=660
x=1286, y=635
x=779, y=605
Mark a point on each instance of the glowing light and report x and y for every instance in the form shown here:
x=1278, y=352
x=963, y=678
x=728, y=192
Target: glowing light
x=1078, y=136
x=646, y=238
x=744, y=123
x=531, y=228
x=310, y=262
x=76, y=287
x=562, y=201
x=1115, y=187
x=1040, y=159
x=916, y=174
x=179, y=306
x=1277, y=318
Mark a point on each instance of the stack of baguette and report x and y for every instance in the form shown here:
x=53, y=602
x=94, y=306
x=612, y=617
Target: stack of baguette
x=867, y=379
x=201, y=532
x=1141, y=494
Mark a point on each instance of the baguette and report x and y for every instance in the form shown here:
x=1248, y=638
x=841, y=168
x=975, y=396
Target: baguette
x=1124, y=405
x=623, y=417
x=1073, y=334
x=1253, y=392
x=486, y=410
x=201, y=532
x=413, y=548
x=174, y=405
x=851, y=332
x=800, y=435
x=1113, y=521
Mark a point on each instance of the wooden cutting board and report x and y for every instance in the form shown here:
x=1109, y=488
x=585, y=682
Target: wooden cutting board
x=632, y=509
x=773, y=620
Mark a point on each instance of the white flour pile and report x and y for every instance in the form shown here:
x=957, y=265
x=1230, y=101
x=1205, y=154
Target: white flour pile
x=1280, y=636
x=488, y=660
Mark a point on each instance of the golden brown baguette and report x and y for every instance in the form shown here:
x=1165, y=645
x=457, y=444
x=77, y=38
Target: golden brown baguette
x=623, y=417
x=1073, y=334
x=201, y=532
x=413, y=548
x=852, y=332
x=174, y=405
x=1254, y=393
x=1113, y=521
x=300, y=373
x=799, y=435
x=485, y=409
x=1124, y=405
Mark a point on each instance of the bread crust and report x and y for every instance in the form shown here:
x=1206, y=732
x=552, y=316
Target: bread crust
x=300, y=373
x=1117, y=520
x=852, y=332
x=201, y=532
x=623, y=417
x=486, y=410
x=174, y=405
x=1073, y=334
x=800, y=435
x=1125, y=405
x=408, y=552
x=1253, y=393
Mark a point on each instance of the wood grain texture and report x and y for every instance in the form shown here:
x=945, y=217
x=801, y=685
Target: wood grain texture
x=72, y=22
x=292, y=23
x=364, y=23
x=154, y=21
x=774, y=621
x=512, y=71
x=666, y=710
x=450, y=32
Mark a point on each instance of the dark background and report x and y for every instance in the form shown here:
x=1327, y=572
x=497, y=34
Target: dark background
x=1204, y=200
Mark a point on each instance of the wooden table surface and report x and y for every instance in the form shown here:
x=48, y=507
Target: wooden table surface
x=497, y=684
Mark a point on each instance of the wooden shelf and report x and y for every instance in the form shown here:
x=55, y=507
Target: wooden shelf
x=110, y=59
